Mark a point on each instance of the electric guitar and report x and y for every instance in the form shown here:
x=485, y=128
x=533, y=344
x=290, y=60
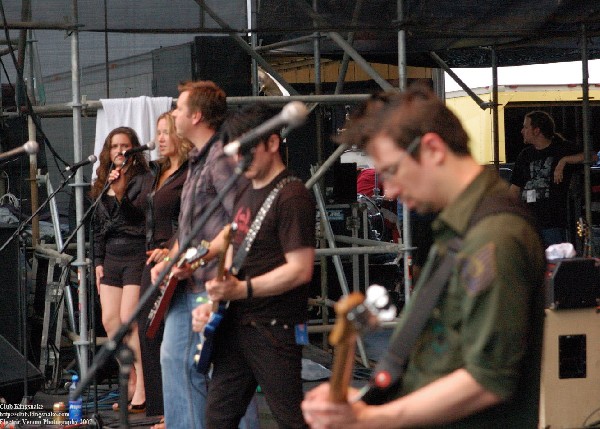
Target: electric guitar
x=203, y=356
x=355, y=314
x=193, y=257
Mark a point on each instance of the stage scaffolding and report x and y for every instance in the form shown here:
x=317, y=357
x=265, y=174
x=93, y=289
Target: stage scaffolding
x=77, y=107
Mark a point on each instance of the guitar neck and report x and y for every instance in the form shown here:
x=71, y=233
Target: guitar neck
x=229, y=229
x=343, y=338
x=341, y=372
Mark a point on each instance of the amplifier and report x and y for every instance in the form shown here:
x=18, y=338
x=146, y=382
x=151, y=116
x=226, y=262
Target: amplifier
x=572, y=283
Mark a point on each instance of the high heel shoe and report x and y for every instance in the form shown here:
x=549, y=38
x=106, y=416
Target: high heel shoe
x=139, y=408
x=133, y=409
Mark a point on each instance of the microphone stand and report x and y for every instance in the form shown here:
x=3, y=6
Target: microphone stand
x=23, y=301
x=115, y=344
x=90, y=209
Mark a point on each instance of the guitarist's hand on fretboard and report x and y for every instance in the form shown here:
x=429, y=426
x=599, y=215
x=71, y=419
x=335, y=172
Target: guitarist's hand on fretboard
x=228, y=289
x=200, y=316
x=180, y=273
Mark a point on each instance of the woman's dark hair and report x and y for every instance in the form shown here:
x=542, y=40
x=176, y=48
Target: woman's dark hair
x=138, y=163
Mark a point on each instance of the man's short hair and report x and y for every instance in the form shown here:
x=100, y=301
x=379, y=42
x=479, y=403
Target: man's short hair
x=404, y=116
x=249, y=117
x=543, y=121
x=207, y=98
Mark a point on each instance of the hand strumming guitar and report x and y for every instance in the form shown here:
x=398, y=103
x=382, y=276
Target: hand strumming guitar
x=200, y=316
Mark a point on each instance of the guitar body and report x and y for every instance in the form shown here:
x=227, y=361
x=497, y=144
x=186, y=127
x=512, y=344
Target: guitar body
x=161, y=304
x=203, y=356
x=193, y=257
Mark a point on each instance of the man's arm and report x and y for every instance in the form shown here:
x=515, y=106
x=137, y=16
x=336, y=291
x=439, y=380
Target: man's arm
x=577, y=158
x=296, y=270
x=443, y=401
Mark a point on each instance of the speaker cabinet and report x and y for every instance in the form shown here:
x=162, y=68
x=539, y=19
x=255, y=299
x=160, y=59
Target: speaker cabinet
x=12, y=374
x=222, y=60
x=10, y=293
x=573, y=283
x=570, y=382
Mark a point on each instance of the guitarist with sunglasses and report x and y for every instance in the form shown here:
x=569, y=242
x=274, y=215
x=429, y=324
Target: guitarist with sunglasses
x=259, y=341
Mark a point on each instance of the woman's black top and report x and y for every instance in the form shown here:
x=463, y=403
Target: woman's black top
x=162, y=205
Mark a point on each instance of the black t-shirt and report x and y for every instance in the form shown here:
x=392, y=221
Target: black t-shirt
x=289, y=225
x=534, y=174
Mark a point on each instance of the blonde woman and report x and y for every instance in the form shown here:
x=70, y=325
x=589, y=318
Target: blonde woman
x=163, y=190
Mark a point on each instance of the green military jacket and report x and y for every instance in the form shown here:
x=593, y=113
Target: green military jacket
x=489, y=320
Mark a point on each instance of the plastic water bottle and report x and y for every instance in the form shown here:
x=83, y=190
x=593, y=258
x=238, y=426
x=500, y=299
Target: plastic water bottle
x=75, y=405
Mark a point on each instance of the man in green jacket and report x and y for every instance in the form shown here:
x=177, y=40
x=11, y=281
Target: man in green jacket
x=476, y=364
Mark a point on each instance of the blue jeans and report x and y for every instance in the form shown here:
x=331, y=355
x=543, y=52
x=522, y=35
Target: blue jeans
x=184, y=388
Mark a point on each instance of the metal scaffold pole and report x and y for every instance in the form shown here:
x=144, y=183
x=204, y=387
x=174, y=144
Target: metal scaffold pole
x=80, y=262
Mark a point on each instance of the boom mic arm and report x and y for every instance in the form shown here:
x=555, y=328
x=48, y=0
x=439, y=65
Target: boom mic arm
x=31, y=148
x=148, y=146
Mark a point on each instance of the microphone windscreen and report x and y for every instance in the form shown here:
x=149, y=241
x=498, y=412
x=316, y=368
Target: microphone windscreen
x=31, y=147
x=294, y=113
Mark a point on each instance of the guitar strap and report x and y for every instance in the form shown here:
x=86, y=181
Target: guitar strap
x=242, y=252
x=389, y=370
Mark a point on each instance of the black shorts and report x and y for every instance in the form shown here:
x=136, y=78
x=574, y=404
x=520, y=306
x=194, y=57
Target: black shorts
x=124, y=264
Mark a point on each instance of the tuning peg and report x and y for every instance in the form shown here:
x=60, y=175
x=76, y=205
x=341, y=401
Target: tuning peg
x=377, y=296
x=378, y=301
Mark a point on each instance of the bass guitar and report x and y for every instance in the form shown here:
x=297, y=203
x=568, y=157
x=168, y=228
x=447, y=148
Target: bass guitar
x=203, y=356
x=192, y=256
x=354, y=314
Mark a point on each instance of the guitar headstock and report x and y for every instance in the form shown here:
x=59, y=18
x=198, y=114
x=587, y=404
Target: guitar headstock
x=362, y=313
x=585, y=233
x=582, y=228
x=343, y=329
x=355, y=313
x=194, y=254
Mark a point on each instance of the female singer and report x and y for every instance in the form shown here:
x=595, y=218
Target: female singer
x=119, y=243
x=163, y=190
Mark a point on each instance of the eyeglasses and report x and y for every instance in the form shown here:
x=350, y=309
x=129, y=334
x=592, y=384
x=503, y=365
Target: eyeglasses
x=390, y=171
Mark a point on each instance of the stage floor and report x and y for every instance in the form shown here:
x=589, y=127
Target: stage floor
x=39, y=414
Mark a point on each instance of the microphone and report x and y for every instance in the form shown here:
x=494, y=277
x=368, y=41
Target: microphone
x=293, y=115
x=148, y=146
x=89, y=160
x=31, y=147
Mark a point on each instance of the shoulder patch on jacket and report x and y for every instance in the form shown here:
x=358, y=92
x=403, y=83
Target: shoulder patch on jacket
x=478, y=271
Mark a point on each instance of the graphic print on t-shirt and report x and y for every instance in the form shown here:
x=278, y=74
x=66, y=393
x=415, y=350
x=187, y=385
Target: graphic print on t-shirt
x=540, y=178
x=243, y=219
